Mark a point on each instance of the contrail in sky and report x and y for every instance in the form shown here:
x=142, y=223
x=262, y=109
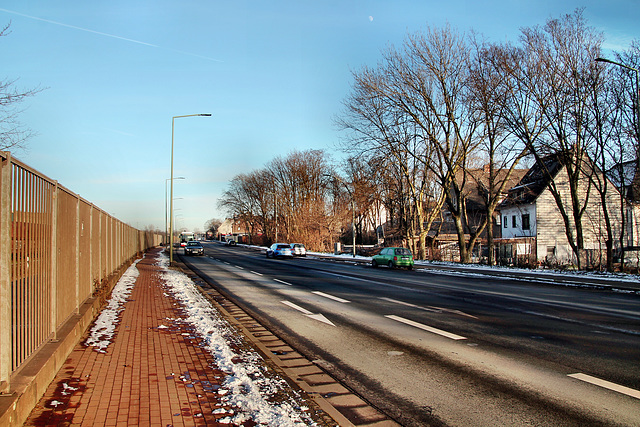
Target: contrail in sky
x=102, y=34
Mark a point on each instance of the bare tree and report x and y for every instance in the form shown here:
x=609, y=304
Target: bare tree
x=383, y=134
x=12, y=133
x=629, y=83
x=608, y=153
x=616, y=133
x=242, y=200
x=428, y=83
x=287, y=198
x=300, y=184
x=212, y=225
x=489, y=98
x=556, y=65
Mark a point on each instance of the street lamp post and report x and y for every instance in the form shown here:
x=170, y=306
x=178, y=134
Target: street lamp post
x=173, y=119
x=166, y=227
x=637, y=130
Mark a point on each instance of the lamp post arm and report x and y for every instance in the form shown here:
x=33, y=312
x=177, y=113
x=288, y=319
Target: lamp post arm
x=619, y=64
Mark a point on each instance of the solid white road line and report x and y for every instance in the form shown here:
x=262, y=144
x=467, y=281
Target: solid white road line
x=606, y=384
x=425, y=327
x=322, y=294
x=283, y=282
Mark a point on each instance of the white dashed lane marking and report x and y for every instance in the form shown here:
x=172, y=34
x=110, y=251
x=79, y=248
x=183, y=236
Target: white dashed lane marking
x=425, y=327
x=333, y=297
x=606, y=384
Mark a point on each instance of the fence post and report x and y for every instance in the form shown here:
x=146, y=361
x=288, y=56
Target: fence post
x=101, y=275
x=5, y=272
x=77, y=272
x=54, y=263
x=91, y=266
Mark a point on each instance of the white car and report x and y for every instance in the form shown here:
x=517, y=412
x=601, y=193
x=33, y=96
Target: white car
x=298, y=249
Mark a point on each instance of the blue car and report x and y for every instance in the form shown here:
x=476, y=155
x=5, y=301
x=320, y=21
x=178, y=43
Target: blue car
x=279, y=250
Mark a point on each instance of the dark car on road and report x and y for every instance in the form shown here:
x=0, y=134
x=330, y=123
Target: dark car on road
x=194, y=248
x=394, y=257
x=279, y=250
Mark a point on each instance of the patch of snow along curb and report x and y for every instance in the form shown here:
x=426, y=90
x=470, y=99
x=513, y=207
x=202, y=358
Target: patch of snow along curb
x=105, y=325
x=255, y=393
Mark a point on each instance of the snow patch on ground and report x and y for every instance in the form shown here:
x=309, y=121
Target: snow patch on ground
x=256, y=394
x=105, y=325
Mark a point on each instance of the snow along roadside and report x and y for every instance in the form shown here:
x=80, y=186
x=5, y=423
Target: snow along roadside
x=105, y=325
x=255, y=393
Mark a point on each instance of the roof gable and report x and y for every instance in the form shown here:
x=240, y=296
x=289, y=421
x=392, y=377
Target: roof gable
x=535, y=180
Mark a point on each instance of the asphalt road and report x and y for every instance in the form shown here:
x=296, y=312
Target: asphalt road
x=447, y=348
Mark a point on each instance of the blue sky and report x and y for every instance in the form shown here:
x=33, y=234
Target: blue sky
x=272, y=74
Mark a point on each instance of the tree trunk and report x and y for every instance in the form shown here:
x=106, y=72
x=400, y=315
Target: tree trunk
x=490, y=257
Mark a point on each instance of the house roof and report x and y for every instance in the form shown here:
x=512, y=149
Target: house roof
x=626, y=177
x=477, y=184
x=535, y=180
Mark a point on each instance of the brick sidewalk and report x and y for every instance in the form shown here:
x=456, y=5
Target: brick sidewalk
x=149, y=376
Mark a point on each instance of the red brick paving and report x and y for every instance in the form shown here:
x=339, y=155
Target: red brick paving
x=147, y=377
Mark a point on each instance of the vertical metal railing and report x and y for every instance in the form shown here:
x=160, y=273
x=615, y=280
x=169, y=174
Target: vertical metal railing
x=5, y=272
x=55, y=251
x=30, y=262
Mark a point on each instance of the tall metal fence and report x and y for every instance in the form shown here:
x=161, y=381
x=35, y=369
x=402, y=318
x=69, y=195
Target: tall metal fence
x=56, y=251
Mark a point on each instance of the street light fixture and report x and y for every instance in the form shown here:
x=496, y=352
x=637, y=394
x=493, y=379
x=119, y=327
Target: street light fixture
x=637, y=100
x=166, y=228
x=173, y=119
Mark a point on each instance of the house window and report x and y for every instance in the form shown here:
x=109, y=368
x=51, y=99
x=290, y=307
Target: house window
x=505, y=222
x=525, y=221
x=513, y=221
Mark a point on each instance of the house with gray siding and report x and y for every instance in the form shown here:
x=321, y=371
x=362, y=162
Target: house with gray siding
x=532, y=228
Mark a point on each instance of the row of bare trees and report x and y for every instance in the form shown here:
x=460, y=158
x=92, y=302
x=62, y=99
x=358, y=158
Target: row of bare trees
x=286, y=200
x=442, y=105
x=301, y=198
